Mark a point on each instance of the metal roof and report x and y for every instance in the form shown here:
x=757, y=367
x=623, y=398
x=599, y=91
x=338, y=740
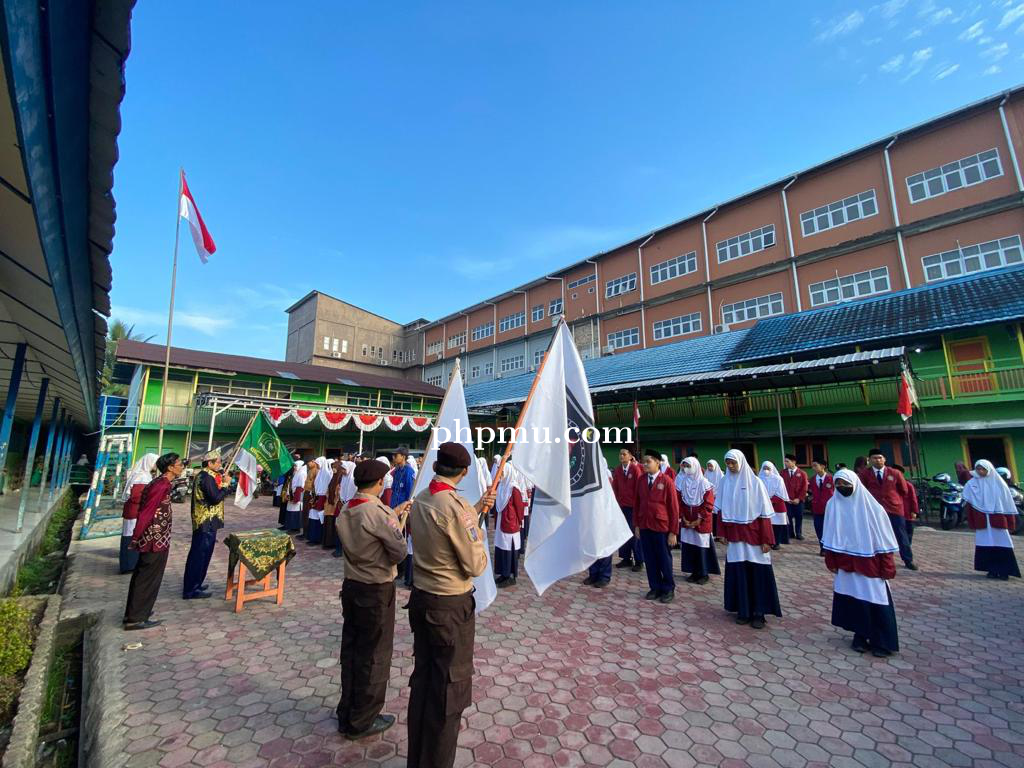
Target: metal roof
x=988, y=297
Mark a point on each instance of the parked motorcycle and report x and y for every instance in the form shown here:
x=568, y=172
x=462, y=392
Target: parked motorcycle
x=951, y=509
x=181, y=488
x=1016, y=493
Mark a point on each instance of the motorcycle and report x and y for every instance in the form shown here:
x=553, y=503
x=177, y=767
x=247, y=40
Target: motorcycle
x=181, y=489
x=1016, y=493
x=951, y=509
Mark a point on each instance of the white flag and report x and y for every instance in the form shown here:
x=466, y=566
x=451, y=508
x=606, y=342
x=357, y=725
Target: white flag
x=453, y=418
x=248, y=475
x=575, y=518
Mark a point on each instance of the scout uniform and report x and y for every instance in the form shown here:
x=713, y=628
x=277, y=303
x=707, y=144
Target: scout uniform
x=450, y=552
x=373, y=544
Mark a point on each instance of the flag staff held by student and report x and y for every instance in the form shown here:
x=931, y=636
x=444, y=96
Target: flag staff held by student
x=205, y=247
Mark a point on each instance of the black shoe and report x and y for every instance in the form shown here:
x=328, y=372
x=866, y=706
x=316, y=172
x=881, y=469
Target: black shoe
x=638, y=567
x=624, y=564
x=821, y=553
x=692, y=579
x=509, y=582
x=668, y=597
x=148, y=624
x=880, y=653
x=405, y=607
x=336, y=554
x=775, y=547
x=1004, y=577
x=601, y=583
x=380, y=724
x=741, y=620
x=197, y=596
x=757, y=622
x=204, y=588
x=589, y=581
x=500, y=580
x=702, y=580
x=652, y=595
x=911, y=567
x=799, y=538
x=281, y=528
x=859, y=645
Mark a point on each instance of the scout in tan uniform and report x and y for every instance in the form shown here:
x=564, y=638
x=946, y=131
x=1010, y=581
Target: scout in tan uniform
x=449, y=552
x=373, y=543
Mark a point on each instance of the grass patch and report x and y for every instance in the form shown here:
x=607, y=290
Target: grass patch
x=54, y=698
x=40, y=573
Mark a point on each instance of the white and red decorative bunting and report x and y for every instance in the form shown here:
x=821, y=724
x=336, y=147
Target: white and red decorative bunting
x=394, y=423
x=364, y=422
x=419, y=423
x=276, y=415
x=334, y=419
x=367, y=422
x=303, y=416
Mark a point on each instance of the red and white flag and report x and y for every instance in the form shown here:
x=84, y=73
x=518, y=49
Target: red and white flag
x=205, y=246
x=908, y=397
x=248, y=475
x=636, y=414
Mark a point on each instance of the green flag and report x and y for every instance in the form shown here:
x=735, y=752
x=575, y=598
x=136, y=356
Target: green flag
x=263, y=444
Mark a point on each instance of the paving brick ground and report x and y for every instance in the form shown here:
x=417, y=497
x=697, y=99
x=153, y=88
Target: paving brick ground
x=583, y=676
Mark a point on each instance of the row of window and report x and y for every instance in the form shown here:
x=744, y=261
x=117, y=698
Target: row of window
x=339, y=347
x=965, y=172
x=839, y=213
x=752, y=309
x=745, y=244
x=458, y=340
x=855, y=286
x=515, y=320
x=973, y=258
x=582, y=281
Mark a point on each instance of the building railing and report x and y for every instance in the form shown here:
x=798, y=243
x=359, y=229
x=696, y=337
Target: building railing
x=182, y=416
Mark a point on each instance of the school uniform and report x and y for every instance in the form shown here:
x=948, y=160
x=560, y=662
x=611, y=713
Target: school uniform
x=507, y=540
x=777, y=494
x=293, y=505
x=697, y=554
x=657, y=515
x=992, y=514
x=822, y=488
x=796, y=488
x=625, y=480
x=888, y=486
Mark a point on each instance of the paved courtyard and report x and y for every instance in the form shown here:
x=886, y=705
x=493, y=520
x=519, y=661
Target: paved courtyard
x=580, y=677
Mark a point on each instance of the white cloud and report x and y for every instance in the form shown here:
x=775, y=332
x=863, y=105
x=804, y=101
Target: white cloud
x=841, y=26
x=1011, y=16
x=947, y=71
x=995, y=69
x=872, y=41
x=941, y=15
x=917, y=61
x=974, y=31
x=147, y=319
x=913, y=34
x=893, y=64
x=984, y=40
x=891, y=8
x=996, y=52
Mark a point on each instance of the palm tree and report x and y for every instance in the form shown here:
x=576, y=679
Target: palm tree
x=117, y=331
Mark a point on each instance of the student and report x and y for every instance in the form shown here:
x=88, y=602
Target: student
x=859, y=545
x=822, y=488
x=625, y=479
x=657, y=519
x=308, y=495
x=888, y=486
x=510, y=507
x=992, y=513
x=293, y=507
x=910, y=505
x=139, y=477
x=714, y=472
x=746, y=524
x=697, y=496
x=796, y=488
x=324, y=475
x=666, y=467
x=776, y=489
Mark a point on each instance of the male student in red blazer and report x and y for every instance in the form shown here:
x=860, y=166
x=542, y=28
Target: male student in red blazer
x=889, y=488
x=795, y=481
x=822, y=488
x=656, y=517
x=625, y=480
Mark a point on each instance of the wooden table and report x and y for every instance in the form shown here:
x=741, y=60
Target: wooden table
x=259, y=553
x=237, y=585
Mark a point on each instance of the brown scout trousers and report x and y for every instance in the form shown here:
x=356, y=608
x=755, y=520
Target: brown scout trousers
x=367, y=642
x=444, y=629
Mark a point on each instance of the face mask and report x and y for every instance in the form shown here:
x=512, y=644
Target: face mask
x=688, y=470
x=844, y=490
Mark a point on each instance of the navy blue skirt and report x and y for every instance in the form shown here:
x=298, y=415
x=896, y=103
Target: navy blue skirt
x=876, y=623
x=750, y=590
x=700, y=561
x=781, y=533
x=999, y=561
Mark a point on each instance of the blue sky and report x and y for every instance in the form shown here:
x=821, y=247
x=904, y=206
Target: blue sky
x=416, y=157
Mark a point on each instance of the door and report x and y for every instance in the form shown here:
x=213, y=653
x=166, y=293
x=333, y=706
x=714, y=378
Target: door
x=894, y=449
x=992, y=448
x=970, y=362
x=750, y=451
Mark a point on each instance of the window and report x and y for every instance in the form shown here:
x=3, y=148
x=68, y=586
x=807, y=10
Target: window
x=483, y=331
x=517, y=320
x=489, y=369
x=514, y=363
x=373, y=350
x=762, y=306
x=850, y=287
x=622, y=339
x=433, y=348
x=620, y=285
x=344, y=346
x=839, y=213
x=973, y=258
x=581, y=281
x=555, y=307
x=746, y=244
x=435, y=380
x=807, y=451
x=668, y=270
x=677, y=326
x=574, y=295
x=538, y=355
x=364, y=349
x=538, y=313
x=961, y=173
x=327, y=342
x=334, y=345
x=474, y=372
x=458, y=340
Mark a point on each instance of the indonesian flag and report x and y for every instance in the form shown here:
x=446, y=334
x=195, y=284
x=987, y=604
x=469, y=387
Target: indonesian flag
x=205, y=246
x=636, y=414
x=908, y=397
x=249, y=472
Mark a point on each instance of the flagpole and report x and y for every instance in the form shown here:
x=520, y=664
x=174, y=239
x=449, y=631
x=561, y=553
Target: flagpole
x=455, y=371
x=245, y=434
x=170, y=316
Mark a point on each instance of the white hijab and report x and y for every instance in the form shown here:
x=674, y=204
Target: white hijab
x=140, y=473
x=693, y=486
x=664, y=462
x=740, y=496
x=347, y=487
x=509, y=481
x=772, y=480
x=495, y=463
x=388, y=478
x=298, y=476
x=323, y=476
x=856, y=524
x=714, y=474
x=989, y=494
x=411, y=461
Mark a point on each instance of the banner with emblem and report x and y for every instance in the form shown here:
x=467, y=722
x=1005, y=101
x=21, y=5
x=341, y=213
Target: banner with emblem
x=265, y=447
x=575, y=518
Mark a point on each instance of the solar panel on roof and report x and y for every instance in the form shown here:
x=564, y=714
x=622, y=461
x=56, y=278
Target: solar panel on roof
x=287, y=375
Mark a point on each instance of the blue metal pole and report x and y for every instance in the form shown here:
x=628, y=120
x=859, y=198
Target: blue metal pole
x=69, y=446
x=30, y=455
x=51, y=433
x=8, y=419
x=57, y=453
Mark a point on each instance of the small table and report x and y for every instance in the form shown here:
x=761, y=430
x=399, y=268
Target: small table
x=260, y=553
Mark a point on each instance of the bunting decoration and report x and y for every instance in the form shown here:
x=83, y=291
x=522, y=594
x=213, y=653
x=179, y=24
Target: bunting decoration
x=364, y=422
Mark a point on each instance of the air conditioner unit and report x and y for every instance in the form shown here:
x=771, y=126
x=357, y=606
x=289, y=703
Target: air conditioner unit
x=722, y=328
x=385, y=362
x=497, y=375
x=608, y=349
x=462, y=350
x=336, y=354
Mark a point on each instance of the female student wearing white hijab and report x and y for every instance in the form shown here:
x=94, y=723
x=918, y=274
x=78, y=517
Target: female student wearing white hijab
x=511, y=509
x=992, y=514
x=140, y=475
x=293, y=509
x=696, y=502
x=859, y=546
x=776, y=487
x=322, y=481
x=746, y=524
x=714, y=472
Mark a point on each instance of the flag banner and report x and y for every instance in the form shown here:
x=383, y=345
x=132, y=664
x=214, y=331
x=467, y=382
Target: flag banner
x=907, y=398
x=248, y=478
x=454, y=418
x=575, y=518
x=205, y=246
x=265, y=447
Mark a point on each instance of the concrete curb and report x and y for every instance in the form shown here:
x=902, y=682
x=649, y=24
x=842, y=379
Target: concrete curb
x=21, y=752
